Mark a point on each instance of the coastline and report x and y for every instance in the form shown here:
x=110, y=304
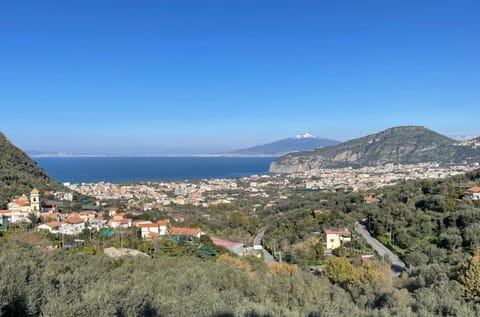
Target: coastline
x=118, y=169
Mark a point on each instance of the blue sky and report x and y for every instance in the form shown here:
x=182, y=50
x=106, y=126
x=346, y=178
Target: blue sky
x=152, y=77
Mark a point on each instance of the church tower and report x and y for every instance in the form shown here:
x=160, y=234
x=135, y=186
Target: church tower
x=35, y=201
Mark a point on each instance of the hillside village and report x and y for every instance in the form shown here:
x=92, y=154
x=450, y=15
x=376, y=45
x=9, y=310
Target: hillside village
x=175, y=198
x=44, y=216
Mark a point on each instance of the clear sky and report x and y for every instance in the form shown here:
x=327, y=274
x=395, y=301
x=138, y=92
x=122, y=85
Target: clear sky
x=152, y=77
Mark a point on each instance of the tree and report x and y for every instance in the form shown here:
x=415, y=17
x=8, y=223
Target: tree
x=341, y=271
x=470, y=277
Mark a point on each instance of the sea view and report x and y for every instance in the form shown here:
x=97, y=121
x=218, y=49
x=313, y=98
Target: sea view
x=240, y=158
x=128, y=169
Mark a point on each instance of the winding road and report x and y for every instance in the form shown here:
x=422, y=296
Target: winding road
x=267, y=257
x=397, y=265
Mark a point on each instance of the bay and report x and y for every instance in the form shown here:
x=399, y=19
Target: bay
x=129, y=169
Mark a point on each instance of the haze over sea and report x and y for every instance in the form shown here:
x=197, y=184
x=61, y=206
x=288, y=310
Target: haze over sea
x=129, y=169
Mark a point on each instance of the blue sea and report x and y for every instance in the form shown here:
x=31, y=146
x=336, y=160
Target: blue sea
x=128, y=169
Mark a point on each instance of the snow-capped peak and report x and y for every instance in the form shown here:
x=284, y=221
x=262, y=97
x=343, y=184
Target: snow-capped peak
x=304, y=136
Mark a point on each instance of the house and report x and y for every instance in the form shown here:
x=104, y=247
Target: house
x=87, y=215
x=190, y=232
x=112, y=211
x=337, y=237
x=9, y=216
x=52, y=227
x=98, y=223
x=73, y=225
x=151, y=230
x=473, y=193
x=119, y=221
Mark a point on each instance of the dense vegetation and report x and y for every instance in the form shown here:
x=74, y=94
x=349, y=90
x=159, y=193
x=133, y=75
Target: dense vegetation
x=19, y=174
x=65, y=284
x=426, y=222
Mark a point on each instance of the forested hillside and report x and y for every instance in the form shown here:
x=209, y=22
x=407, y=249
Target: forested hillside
x=19, y=174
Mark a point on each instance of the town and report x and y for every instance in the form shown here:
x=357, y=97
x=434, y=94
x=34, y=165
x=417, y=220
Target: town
x=110, y=207
x=269, y=188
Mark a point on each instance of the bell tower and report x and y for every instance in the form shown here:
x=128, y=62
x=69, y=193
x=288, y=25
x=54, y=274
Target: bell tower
x=35, y=201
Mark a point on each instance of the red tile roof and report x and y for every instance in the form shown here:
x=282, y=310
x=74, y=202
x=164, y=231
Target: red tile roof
x=21, y=202
x=147, y=225
x=184, y=231
x=163, y=222
x=342, y=232
x=474, y=189
x=54, y=224
x=74, y=220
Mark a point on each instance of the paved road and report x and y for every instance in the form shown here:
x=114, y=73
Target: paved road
x=267, y=257
x=397, y=265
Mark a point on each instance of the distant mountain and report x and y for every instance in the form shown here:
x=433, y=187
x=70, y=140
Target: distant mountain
x=40, y=154
x=399, y=145
x=19, y=173
x=301, y=142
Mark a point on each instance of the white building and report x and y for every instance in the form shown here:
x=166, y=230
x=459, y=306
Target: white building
x=52, y=227
x=24, y=205
x=153, y=230
x=337, y=237
x=473, y=193
x=73, y=225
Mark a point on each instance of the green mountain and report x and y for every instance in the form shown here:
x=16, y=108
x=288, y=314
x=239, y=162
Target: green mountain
x=398, y=145
x=19, y=173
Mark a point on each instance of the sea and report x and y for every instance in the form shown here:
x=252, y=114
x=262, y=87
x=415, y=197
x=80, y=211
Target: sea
x=131, y=169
